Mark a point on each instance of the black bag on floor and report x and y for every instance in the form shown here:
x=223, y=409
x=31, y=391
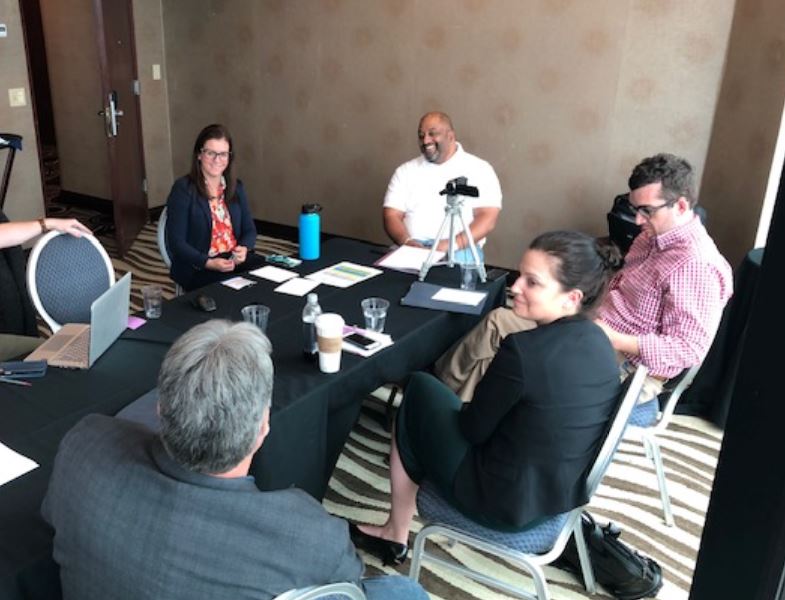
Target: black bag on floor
x=618, y=568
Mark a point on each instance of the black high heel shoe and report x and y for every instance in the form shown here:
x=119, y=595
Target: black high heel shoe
x=390, y=553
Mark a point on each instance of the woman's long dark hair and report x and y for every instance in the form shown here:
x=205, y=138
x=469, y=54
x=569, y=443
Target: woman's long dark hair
x=213, y=132
x=584, y=264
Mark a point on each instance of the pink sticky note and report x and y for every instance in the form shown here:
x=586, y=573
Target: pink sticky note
x=135, y=322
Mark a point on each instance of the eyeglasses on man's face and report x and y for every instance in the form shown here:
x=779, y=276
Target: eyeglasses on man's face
x=213, y=155
x=647, y=210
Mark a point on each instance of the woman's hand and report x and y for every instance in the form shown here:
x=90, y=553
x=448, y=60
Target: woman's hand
x=225, y=265
x=239, y=254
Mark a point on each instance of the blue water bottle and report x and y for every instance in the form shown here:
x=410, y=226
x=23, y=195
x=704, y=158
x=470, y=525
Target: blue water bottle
x=309, y=231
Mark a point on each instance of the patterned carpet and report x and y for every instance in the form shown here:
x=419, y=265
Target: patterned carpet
x=628, y=495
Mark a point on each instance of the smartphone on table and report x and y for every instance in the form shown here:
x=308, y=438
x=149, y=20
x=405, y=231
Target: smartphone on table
x=361, y=341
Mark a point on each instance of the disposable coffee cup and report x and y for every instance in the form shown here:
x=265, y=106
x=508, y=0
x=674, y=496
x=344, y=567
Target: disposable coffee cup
x=153, y=301
x=329, y=338
x=256, y=314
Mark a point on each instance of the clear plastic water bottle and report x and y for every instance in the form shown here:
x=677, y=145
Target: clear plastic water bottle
x=310, y=312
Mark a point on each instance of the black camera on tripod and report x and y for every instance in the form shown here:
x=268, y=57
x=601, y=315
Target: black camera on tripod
x=457, y=187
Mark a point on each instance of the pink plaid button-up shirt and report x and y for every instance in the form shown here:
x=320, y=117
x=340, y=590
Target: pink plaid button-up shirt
x=670, y=294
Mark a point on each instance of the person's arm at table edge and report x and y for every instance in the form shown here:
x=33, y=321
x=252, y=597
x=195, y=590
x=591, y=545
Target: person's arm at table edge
x=396, y=228
x=18, y=232
x=621, y=342
x=483, y=223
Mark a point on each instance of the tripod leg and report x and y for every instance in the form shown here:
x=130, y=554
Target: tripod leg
x=451, y=240
x=476, y=257
x=429, y=260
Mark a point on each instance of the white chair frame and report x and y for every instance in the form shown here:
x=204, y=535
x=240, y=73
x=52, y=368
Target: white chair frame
x=161, y=237
x=350, y=590
x=533, y=563
x=648, y=437
x=32, y=263
x=162, y=248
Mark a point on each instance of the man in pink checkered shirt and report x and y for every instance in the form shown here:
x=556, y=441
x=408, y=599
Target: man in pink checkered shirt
x=663, y=307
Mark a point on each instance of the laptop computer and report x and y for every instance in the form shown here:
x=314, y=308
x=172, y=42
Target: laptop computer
x=78, y=346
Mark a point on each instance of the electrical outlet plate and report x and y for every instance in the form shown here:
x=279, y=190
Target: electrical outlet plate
x=17, y=97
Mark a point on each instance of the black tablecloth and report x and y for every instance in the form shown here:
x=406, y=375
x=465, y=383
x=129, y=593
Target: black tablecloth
x=312, y=413
x=710, y=394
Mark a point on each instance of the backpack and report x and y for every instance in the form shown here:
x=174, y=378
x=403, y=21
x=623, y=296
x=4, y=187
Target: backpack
x=623, y=572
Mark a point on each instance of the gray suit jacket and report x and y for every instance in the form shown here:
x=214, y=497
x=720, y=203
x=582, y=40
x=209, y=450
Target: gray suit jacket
x=132, y=523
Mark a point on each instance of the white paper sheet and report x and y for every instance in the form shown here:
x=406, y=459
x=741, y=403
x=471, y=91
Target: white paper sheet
x=459, y=296
x=297, y=286
x=13, y=464
x=271, y=273
x=408, y=259
x=237, y=283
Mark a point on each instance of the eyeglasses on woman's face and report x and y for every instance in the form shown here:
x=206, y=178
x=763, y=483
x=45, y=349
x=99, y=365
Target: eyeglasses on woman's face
x=213, y=155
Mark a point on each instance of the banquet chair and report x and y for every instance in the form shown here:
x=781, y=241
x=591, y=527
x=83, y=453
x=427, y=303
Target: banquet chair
x=162, y=248
x=531, y=549
x=650, y=419
x=65, y=274
x=333, y=590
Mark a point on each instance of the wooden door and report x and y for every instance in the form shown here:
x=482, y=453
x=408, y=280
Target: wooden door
x=121, y=114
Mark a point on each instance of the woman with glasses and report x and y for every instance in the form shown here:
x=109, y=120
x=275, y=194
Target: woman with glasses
x=210, y=233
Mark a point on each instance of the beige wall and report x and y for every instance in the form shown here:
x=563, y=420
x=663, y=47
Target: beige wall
x=74, y=77
x=562, y=97
x=746, y=124
x=25, y=198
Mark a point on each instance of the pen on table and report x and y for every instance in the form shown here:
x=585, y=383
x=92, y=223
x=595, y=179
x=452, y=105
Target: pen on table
x=15, y=381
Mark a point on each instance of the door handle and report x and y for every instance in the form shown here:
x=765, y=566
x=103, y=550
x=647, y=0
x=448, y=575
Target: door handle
x=110, y=114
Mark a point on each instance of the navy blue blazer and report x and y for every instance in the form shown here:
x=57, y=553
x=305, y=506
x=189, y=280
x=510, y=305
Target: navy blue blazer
x=189, y=227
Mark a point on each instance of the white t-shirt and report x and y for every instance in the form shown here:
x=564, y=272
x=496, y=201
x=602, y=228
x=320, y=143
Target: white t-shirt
x=415, y=186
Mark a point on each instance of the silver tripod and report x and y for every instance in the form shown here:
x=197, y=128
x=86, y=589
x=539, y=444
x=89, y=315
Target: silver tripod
x=455, y=188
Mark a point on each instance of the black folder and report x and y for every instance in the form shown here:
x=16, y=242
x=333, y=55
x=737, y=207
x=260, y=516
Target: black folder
x=421, y=294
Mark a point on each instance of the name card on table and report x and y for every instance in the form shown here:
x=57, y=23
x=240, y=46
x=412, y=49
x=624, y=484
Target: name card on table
x=436, y=297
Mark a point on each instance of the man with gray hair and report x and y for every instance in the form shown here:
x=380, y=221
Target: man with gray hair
x=175, y=515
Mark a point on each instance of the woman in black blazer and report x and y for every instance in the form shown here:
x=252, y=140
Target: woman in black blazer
x=210, y=233
x=518, y=452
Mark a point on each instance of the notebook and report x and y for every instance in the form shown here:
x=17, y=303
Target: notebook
x=78, y=346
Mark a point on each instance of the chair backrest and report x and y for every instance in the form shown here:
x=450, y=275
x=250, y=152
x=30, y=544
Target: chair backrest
x=631, y=389
x=65, y=274
x=161, y=235
x=622, y=228
x=674, y=388
x=346, y=589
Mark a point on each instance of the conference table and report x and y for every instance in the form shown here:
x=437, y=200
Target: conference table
x=312, y=413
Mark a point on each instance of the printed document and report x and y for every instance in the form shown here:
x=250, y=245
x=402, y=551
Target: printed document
x=408, y=259
x=344, y=274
